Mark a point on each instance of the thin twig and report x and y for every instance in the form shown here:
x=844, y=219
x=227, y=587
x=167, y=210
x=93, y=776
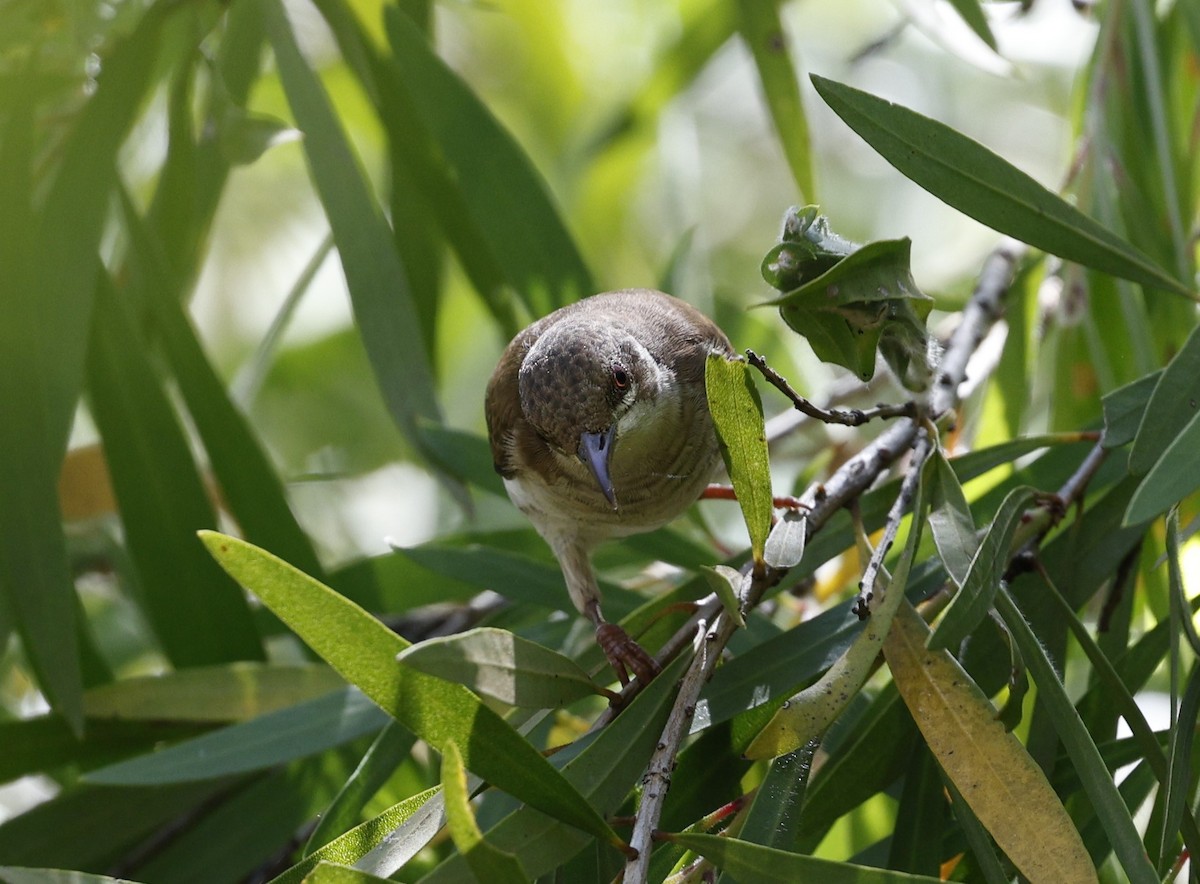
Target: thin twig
x=854, y=417
x=901, y=505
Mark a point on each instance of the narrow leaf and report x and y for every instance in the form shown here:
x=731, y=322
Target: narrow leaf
x=763, y=32
x=200, y=616
x=532, y=246
x=364, y=651
x=1173, y=405
x=50, y=260
x=275, y=738
x=379, y=290
x=499, y=664
x=1097, y=779
x=970, y=605
x=966, y=175
x=487, y=861
x=1125, y=408
x=950, y=520
x=1171, y=479
x=971, y=12
x=16, y=875
x=756, y=864
x=1004, y=786
x=359, y=841
x=331, y=873
x=738, y=418
x=389, y=750
x=233, y=692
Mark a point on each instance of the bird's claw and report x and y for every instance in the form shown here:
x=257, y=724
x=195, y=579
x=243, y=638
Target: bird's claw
x=625, y=655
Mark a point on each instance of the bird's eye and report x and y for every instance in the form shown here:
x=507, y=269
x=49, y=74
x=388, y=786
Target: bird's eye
x=620, y=378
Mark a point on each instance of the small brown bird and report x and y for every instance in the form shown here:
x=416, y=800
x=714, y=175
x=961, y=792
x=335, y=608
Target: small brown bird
x=599, y=424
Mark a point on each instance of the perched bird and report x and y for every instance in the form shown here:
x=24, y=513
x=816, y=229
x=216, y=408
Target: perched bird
x=599, y=424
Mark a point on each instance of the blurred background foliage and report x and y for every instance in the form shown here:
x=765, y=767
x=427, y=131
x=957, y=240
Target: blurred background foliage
x=199, y=199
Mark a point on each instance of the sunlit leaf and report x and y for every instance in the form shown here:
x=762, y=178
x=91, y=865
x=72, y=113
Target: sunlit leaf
x=364, y=651
x=386, y=754
x=972, y=179
x=233, y=692
x=738, y=418
x=487, y=861
x=1172, y=478
x=359, y=841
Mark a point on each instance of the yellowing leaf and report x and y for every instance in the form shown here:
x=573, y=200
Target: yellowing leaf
x=1003, y=786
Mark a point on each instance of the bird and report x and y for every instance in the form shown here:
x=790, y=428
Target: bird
x=599, y=425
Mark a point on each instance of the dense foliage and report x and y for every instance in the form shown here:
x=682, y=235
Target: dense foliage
x=943, y=662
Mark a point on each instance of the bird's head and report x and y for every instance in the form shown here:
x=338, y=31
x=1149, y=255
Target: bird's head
x=578, y=383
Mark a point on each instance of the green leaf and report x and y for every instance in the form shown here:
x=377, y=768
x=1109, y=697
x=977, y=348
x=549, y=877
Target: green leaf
x=251, y=490
x=756, y=864
x=950, y=519
x=487, y=862
x=499, y=664
x=1003, y=785
x=15, y=875
x=966, y=175
x=331, y=873
x=971, y=603
x=1171, y=479
x=364, y=651
x=233, y=692
x=50, y=260
x=389, y=750
x=864, y=301
x=1097, y=780
x=199, y=615
x=359, y=841
x=807, y=715
x=774, y=816
x=277, y=737
x=738, y=418
x=1124, y=410
x=971, y=12
x=499, y=197
x=379, y=290
x=726, y=582
x=763, y=33
x=1173, y=406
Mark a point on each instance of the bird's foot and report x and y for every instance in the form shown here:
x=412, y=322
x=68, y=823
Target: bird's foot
x=625, y=655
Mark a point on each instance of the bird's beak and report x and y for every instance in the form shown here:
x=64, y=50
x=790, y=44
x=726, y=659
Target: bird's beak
x=595, y=450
